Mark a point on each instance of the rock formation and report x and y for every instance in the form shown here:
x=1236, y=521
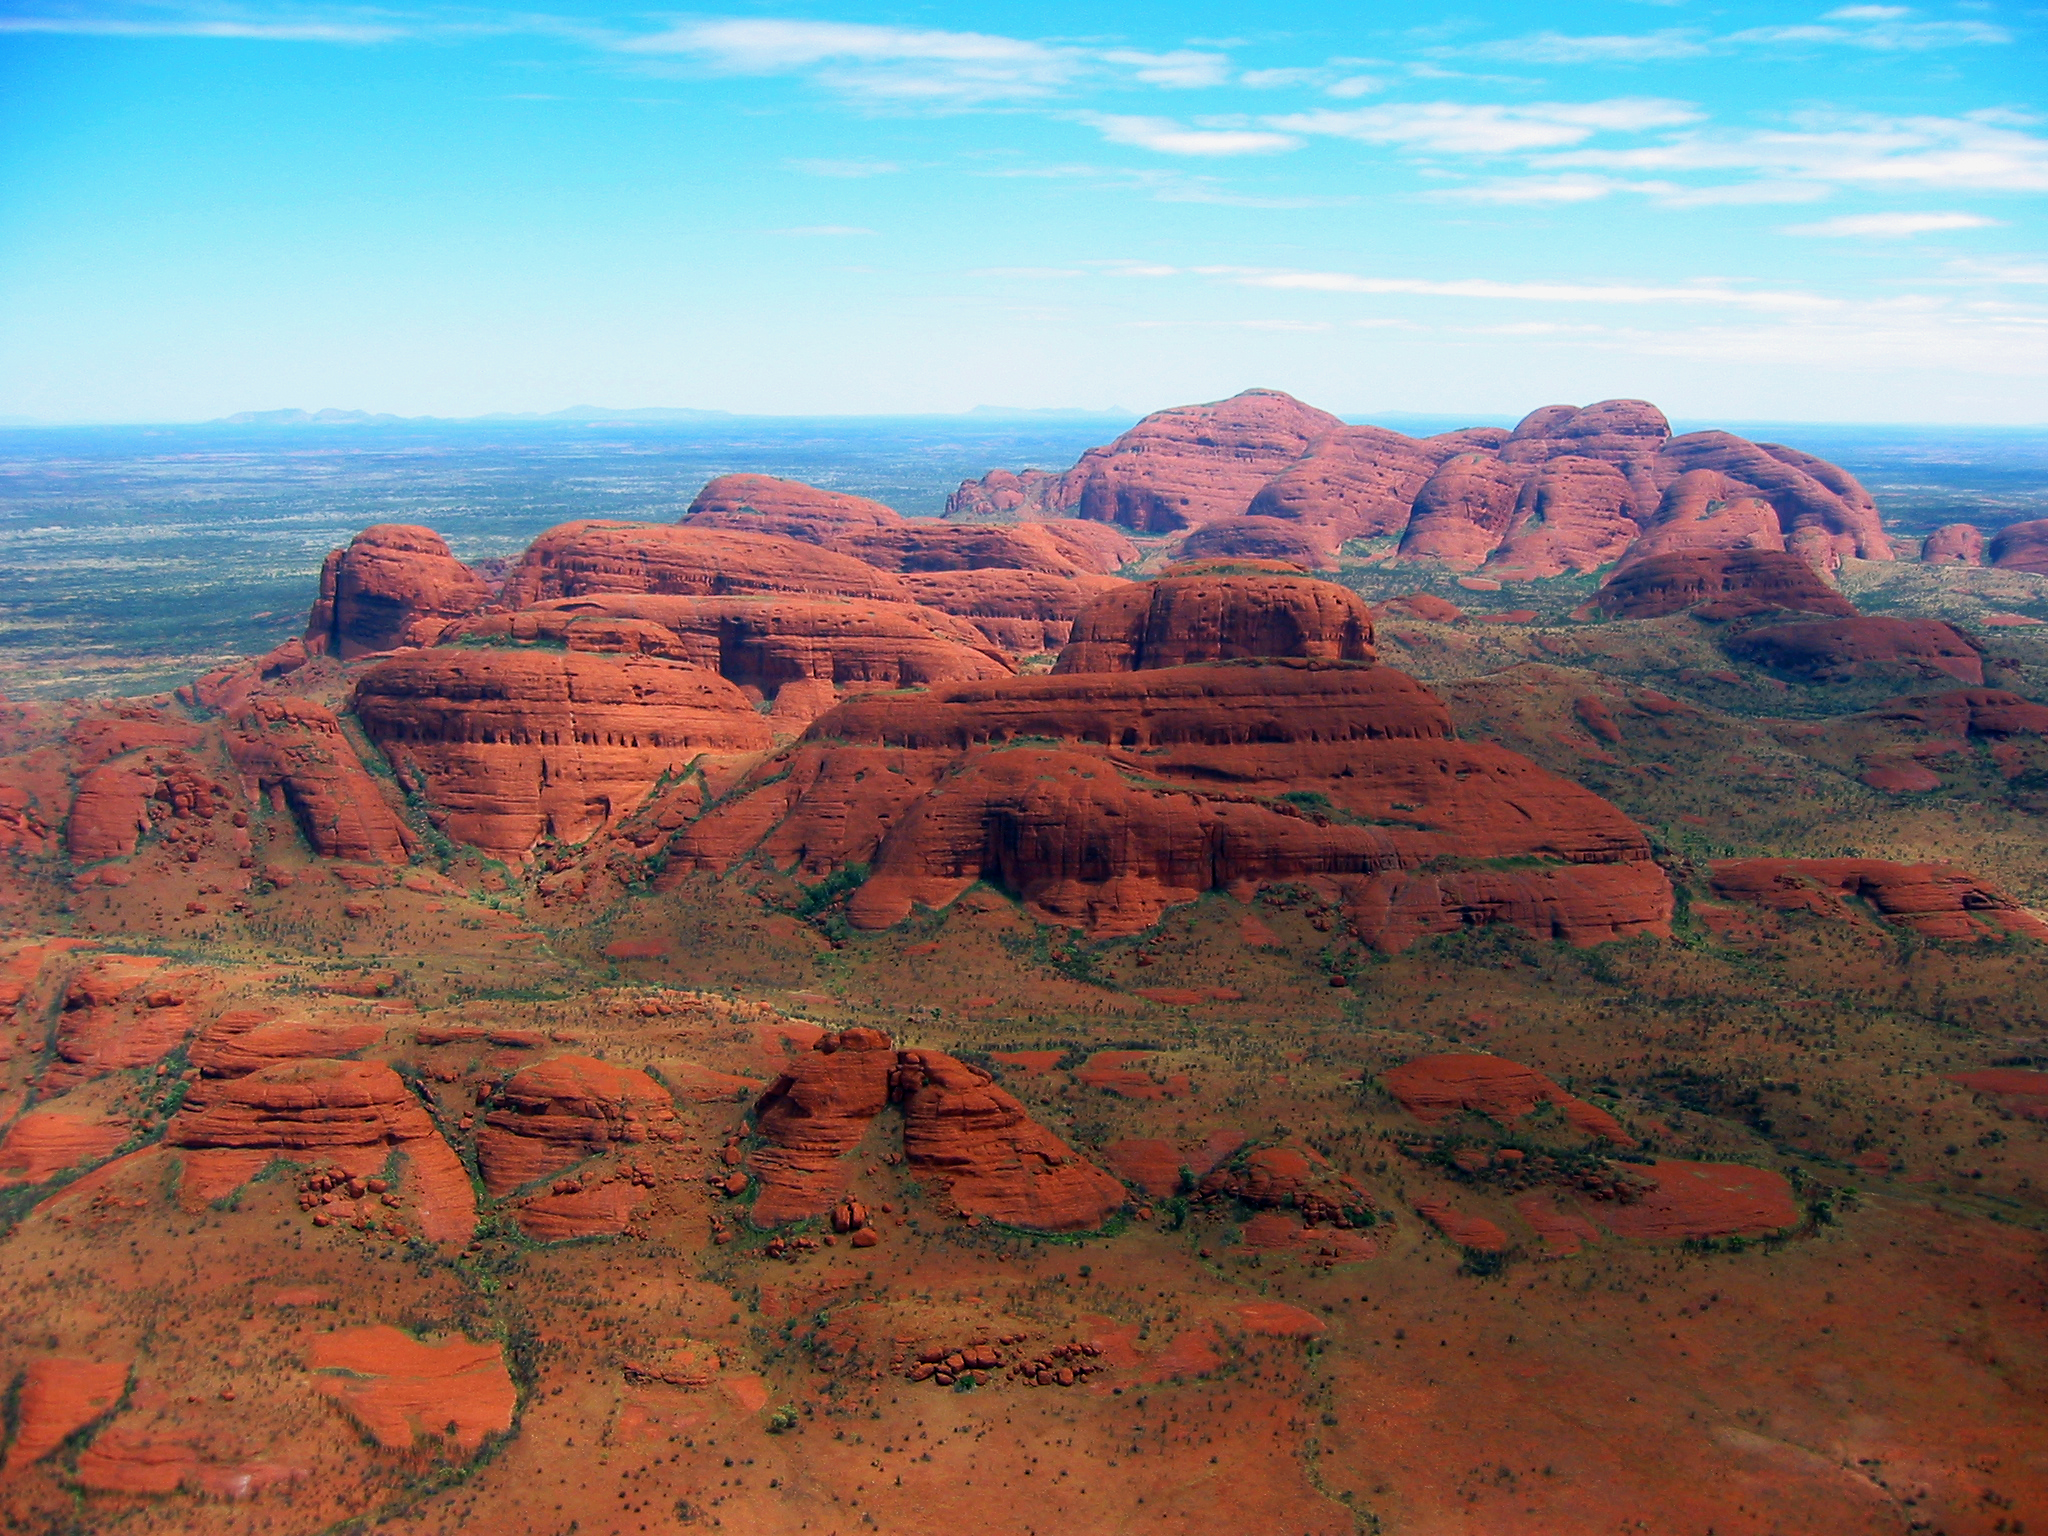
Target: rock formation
x=1436, y=1088
x=1718, y=584
x=811, y=1117
x=1954, y=544
x=514, y=746
x=2021, y=547
x=1161, y=785
x=60, y=1395
x=1024, y=613
x=762, y=644
x=395, y=585
x=555, y=1113
x=399, y=1388
x=1839, y=650
x=1354, y=483
x=352, y=1114
x=294, y=753
x=988, y=1156
x=575, y=559
x=790, y=508
x=1174, y=621
x=1939, y=900
x=1261, y=538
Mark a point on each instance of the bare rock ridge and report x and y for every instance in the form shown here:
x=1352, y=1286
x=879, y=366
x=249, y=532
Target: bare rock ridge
x=1174, y=621
x=395, y=585
x=977, y=1148
x=1719, y=584
x=1569, y=489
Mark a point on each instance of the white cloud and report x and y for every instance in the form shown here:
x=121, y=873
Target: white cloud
x=890, y=62
x=1890, y=226
x=1584, y=187
x=1977, y=152
x=1450, y=127
x=1351, y=87
x=1520, y=292
x=1166, y=137
x=827, y=230
x=1181, y=70
x=1620, y=48
x=1881, y=28
x=1534, y=191
x=259, y=31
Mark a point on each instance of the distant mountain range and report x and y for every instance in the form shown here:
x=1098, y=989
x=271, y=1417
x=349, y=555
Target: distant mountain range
x=606, y=413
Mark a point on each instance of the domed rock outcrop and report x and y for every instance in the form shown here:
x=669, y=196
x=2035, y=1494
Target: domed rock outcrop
x=768, y=504
x=990, y=1157
x=1353, y=483
x=1954, y=544
x=1436, y=1088
x=395, y=585
x=350, y=1114
x=1572, y=514
x=2021, y=547
x=1261, y=538
x=811, y=1117
x=1463, y=511
x=514, y=746
x=555, y=1113
x=294, y=753
x=574, y=559
x=1840, y=650
x=1705, y=509
x=1195, y=463
x=1822, y=511
x=1719, y=584
x=1177, y=620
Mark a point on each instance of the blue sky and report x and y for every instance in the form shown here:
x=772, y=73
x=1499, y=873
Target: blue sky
x=1741, y=211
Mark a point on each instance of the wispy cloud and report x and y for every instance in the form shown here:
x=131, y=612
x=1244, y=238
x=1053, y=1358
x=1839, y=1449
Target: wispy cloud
x=846, y=170
x=1977, y=151
x=295, y=31
x=829, y=231
x=1890, y=226
x=1167, y=137
x=1882, y=28
x=1609, y=48
x=874, y=61
x=1699, y=292
x=1183, y=69
x=1584, y=187
x=1465, y=128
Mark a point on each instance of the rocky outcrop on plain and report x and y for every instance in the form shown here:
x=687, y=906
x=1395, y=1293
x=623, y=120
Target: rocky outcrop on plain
x=1939, y=900
x=512, y=746
x=1435, y=1089
x=1954, y=544
x=812, y=1115
x=985, y=1154
x=395, y=585
x=1718, y=584
x=1261, y=538
x=2021, y=547
x=1843, y=650
x=552, y=1115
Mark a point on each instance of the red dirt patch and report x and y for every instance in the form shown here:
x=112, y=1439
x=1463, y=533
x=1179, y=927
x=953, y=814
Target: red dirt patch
x=1278, y=1319
x=59, y=1396
x=636, y=949
x=1030, y=1063
x=1434, y=1088
x=1562, y=1228
x=1154, y=1166
x=47, y=1141
x=1117, y=1072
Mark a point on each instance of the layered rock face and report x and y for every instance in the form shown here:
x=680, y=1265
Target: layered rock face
x=812, y=1116
x=1025, y=613
x=1174, y=621
x=552, y=1115
x=578, y=558
x=395, y=585
x=878, y=535
x=1354, y=483
x=294, y=753
x=353, y=1114
x=990, y=1157
x=1840, y=650
x=514, y=746
x=1954, y=544
x=1157, y=786
x=763, y=644
x=1939, y=900
x=2021, y=547
x=1718, y=584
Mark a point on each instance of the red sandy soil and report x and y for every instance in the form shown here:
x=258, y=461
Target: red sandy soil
x=398, y=1387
